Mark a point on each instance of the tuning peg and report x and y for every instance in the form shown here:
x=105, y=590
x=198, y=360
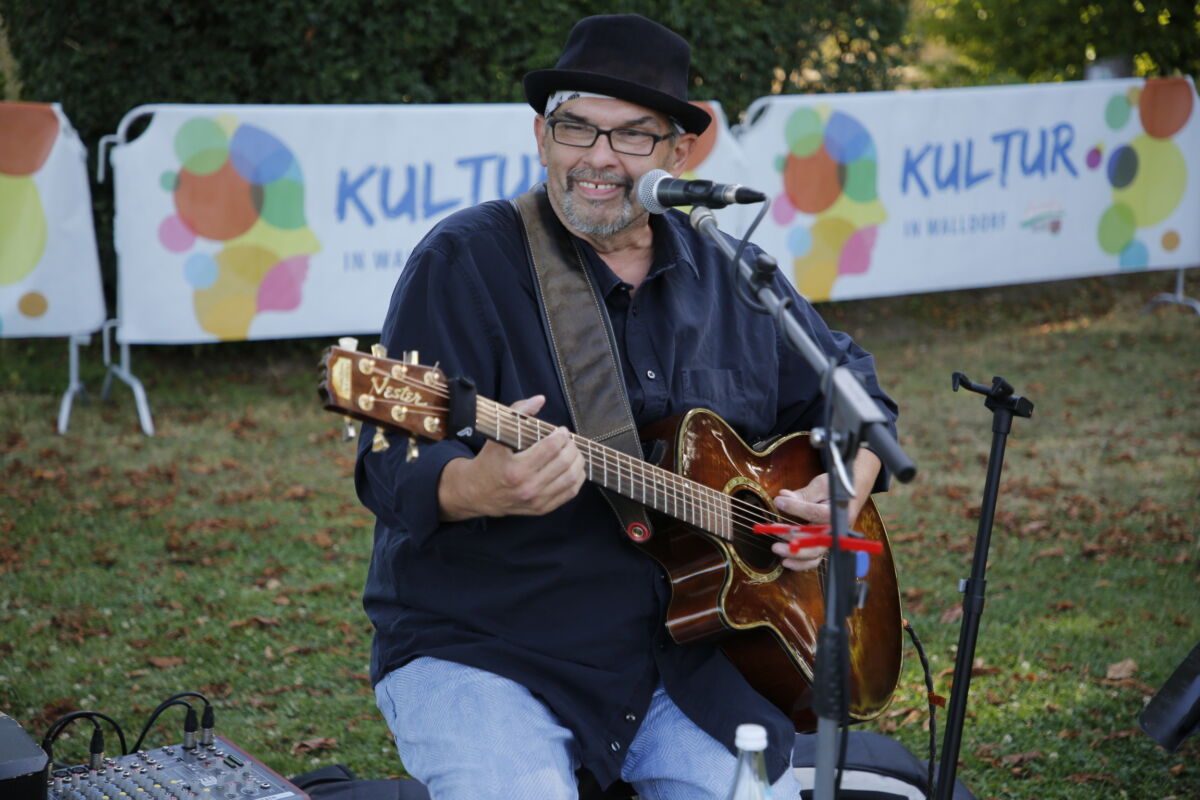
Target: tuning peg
x=379, y=443
x=412, y=453
x=411, y=357
x=348, y=343
x=378, y=350
x=349, y=432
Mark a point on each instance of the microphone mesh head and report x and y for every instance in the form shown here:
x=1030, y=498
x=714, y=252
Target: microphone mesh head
x=645, y=190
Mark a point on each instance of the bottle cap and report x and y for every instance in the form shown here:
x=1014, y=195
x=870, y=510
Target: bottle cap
x=751, y=737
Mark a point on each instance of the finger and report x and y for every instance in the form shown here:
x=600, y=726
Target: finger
x=565, y=474
x=799, y=565
x=802, y=560
x=791, y=503
x=530, y=405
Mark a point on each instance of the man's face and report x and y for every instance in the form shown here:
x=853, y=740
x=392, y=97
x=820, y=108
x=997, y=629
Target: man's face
x=593, y=187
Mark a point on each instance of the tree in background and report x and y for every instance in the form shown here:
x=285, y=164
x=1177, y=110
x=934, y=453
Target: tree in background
x=1014, y=41
x=102, y=58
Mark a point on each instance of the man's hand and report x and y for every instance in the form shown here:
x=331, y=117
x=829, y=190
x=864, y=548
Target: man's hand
x=498, y=482
x=811, y=504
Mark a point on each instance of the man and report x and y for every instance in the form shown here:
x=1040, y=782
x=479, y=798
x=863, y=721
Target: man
x=519, y=632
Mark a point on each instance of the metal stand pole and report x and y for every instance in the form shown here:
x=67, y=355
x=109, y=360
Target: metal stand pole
x=1004, y=406
x=854, y=417
x=1177, y=297
x=75, y=386
x=123, y=373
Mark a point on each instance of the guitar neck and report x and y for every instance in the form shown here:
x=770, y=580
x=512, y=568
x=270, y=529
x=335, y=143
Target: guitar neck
x=653, y=487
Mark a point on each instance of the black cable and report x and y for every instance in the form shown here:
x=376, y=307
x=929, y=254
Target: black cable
x=742, y=291
x=57, y=727
x=912, y=634
x=163, y=706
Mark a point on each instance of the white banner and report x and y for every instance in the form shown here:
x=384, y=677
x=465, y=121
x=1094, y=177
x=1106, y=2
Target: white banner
x=49, y=270
x=265, y=222
x=892, y=193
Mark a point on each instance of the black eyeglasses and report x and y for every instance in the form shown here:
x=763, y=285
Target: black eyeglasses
x=623, y=140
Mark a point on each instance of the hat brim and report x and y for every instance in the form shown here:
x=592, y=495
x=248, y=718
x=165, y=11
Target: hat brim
x=540, y=83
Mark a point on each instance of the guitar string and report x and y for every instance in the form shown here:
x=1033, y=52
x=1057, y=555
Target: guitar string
x=703, y=499
x=513, y=422
x=706, y=501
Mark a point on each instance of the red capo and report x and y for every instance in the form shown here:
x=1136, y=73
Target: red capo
x=817, y=536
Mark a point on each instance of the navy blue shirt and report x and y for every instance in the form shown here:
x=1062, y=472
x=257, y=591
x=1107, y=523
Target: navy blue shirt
x=565, y=604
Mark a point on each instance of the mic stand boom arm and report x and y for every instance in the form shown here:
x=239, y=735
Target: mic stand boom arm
x=855, y=416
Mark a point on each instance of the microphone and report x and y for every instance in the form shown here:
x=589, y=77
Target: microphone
x=657, y=191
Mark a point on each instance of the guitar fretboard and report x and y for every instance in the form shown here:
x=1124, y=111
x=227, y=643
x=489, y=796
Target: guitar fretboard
x=653, y=487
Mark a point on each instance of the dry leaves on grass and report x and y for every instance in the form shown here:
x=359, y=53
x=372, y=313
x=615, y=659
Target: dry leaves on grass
x=1093, y=777
x=164, y=662
x=1121, y=670
x=313, y=745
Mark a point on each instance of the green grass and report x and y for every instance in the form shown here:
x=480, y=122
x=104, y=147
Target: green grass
x=227, y=553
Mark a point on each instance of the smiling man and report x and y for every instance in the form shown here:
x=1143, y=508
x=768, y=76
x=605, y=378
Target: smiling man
x=519, y=631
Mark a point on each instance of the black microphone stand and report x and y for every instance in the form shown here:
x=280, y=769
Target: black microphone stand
x=855, y=417
x=1004, y=405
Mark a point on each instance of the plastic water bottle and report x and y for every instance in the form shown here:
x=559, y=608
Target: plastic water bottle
x=750, y=779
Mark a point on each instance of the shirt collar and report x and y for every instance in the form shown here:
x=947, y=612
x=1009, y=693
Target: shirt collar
x=671, y=248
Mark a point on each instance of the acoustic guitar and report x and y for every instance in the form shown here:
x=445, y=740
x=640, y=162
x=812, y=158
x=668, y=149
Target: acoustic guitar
x=705, y=494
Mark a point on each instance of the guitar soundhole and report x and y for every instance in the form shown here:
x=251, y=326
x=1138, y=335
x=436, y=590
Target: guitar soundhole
x=754, y=549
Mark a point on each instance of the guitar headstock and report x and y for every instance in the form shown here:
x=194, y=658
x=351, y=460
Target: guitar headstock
x=398, y=394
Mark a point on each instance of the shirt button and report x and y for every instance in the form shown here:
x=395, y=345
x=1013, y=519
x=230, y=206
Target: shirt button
x=614, y=746
x=631, y=717
x=650, y=374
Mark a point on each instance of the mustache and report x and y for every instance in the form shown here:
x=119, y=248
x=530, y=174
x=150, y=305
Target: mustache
x=599, y=176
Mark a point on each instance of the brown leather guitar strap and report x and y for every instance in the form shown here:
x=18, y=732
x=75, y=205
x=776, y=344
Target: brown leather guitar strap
x=580, y=336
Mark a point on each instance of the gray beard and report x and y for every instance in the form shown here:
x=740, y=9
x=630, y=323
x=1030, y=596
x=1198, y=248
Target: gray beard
x=597, y=229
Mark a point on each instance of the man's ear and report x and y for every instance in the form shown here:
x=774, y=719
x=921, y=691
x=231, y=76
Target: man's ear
x=539, y=130
x=684, y=143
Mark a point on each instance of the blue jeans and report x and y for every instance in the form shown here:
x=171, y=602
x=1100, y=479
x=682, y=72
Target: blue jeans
x=468, y=734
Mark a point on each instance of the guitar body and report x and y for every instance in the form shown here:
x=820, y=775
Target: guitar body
x=763, y=616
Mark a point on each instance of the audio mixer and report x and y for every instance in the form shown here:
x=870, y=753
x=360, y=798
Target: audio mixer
x=217, y=771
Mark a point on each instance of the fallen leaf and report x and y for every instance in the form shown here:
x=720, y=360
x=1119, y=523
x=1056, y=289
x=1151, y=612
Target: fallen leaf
x=313, y=745
x=1020, y=758
x=164, y=662
x=1051, y=552
x=262, y=622
x=1093, y=777
x=1121, y=670
x=951, y=614
x=1124, y=734
x=297, y=492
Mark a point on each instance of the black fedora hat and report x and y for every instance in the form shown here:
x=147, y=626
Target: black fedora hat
x=628, y=57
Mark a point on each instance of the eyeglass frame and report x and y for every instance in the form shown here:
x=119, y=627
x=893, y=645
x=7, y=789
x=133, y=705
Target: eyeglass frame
x=553, y=123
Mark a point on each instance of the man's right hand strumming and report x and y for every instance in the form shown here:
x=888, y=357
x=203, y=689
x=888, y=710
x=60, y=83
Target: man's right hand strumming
x=498, y=482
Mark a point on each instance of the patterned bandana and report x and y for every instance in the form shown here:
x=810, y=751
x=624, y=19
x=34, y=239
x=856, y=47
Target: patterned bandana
x=561, y=96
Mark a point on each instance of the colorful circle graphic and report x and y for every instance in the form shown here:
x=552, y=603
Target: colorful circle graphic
x=33, y=304
x=27, y=135
x=201, y=146
x=1118, y=111
x=240, y=185
x=1117, y=225
x=22, y=227
x=1122, y=166
x=1164, y=106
